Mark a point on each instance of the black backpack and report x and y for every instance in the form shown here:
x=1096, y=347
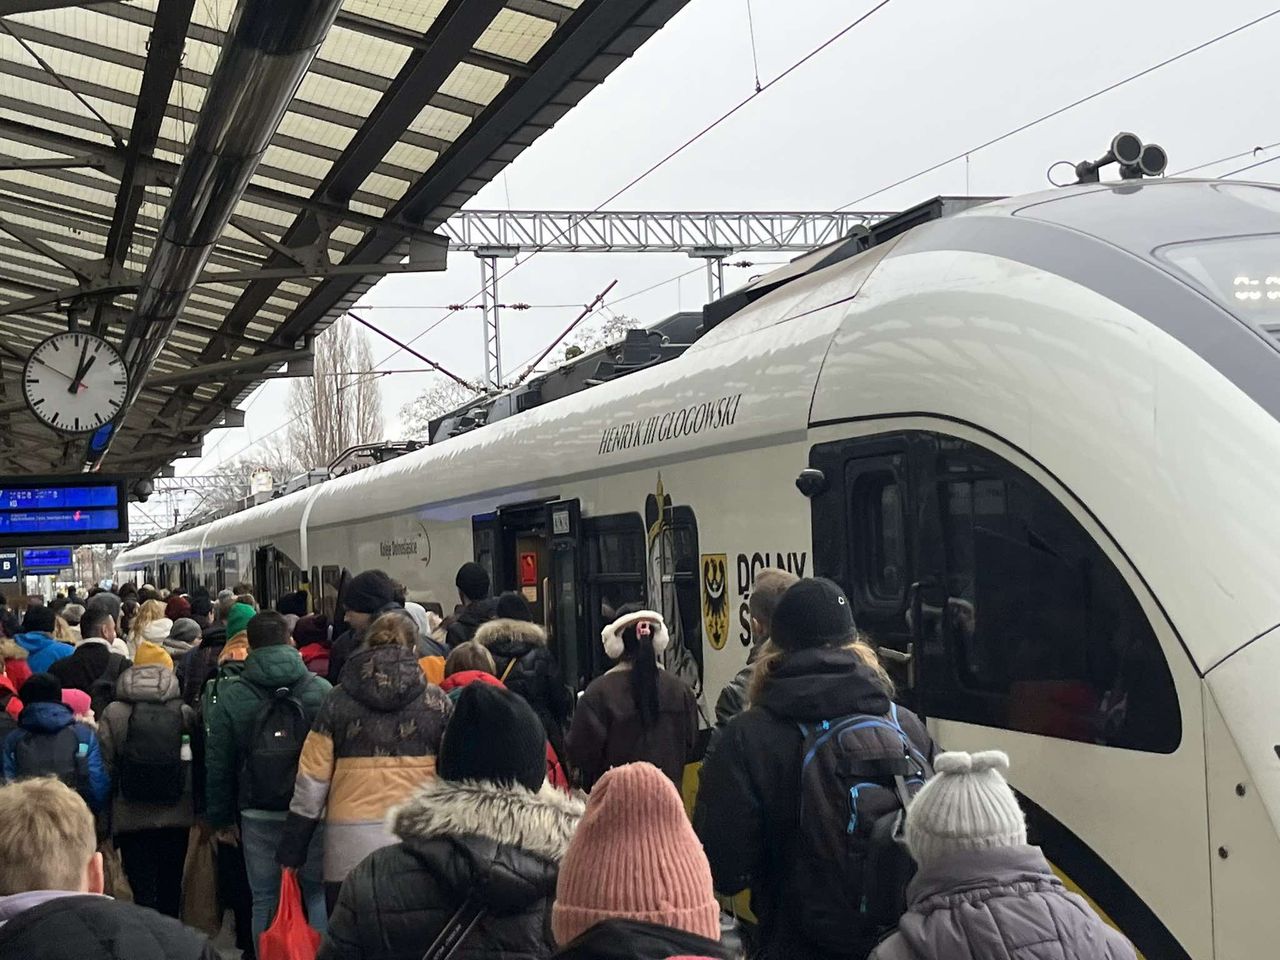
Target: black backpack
x=850, y=867
x=60, y=754
x=103, y=690
x=151, y=767
x=271, y=752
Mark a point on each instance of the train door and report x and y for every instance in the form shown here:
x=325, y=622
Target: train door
x=534, y=549
x=185, y=580
x=219, y=572
x=863, y=529
x=263, y=573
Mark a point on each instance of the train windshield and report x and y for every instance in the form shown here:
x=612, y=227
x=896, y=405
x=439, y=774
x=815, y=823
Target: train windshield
x=1240, y=273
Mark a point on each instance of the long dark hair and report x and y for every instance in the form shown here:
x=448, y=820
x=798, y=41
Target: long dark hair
x=638, y=651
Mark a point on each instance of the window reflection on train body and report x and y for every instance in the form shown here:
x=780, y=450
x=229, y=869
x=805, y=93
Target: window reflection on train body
x=1025, y=624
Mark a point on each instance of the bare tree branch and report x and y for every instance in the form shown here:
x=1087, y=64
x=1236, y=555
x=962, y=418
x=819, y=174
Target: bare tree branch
x=341, y=406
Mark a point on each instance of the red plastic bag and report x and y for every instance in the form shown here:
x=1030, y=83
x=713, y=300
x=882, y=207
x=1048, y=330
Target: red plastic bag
x=289, y=937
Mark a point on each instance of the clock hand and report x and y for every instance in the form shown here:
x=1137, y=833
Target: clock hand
x=81, y=368
x=45, y=363
x=78, y=383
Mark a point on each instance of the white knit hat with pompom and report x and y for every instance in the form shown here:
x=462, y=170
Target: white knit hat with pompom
x=967, y=805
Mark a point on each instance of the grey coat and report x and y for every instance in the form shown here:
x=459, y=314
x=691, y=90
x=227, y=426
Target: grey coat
x=155, y=684
x=998, y=904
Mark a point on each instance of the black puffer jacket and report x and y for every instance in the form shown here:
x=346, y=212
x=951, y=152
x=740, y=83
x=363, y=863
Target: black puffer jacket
x=747, y=814
x=89, y=927
x=469, y=619
x=632, y=940
x=458, y=838
x=527, y=667
x=348, y=641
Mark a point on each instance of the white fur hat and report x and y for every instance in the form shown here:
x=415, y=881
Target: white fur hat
x=611, y=636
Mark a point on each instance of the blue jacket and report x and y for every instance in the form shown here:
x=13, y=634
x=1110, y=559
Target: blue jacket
x=46, y=719
x=42, y=650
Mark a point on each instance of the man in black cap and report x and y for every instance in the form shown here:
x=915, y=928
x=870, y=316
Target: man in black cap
x=367, y=596
x=817, y=672
x=476, y=608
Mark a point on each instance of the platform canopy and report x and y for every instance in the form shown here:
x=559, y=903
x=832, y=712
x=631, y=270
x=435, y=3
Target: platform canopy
x=409, y=108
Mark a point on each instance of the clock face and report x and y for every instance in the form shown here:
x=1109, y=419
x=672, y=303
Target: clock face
x=75, y=382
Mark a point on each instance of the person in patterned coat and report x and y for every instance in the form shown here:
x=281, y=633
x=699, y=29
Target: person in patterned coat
x=372, y=746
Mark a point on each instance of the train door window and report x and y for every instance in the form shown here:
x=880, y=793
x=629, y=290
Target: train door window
x=674, y=589
x=264, y=564
x=220, y=571
x=330, y=580
x=615, y=576
x=1042, y=633
x=485, y=543
x=880, y=535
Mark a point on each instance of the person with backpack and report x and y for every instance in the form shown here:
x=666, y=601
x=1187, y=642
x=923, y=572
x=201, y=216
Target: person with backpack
x=49, y=742
x=373, y=744
x=482, y=840
x=37, y=639
x=146, y=744
x=802, y=797
x=255, y=727
x=635, y=711
x=94, y=667
x=982, y=893
x=527, y=666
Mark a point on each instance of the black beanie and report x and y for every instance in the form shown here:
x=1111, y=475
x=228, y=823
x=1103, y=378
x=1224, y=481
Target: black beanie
x=473, y=581
x=41, y=688
x=512, y=606
x=38, y=620
x=369, y=592
x=812, y=613
x=493, y=735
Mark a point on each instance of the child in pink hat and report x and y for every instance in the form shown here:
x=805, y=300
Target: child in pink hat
x=635, y=882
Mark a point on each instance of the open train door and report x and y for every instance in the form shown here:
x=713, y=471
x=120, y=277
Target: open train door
x=563, y=613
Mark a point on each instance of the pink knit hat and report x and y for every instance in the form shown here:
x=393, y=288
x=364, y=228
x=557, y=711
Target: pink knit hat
x=635, y=857
x=77, y=700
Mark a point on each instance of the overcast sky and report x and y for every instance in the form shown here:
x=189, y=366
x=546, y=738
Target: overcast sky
x=916, y=83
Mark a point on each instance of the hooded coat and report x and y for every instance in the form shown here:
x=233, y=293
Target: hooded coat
x=201, y=663
x=229, y=718
x=371, y=747
x=634, y=940
x=146, y=684
x=52, y=925
x=747, y=814
x=469, y=620
x=529, y=668
x=1003, y=902
x=42, y=650
x=93, y=660
x=15, y=661
x=46, y=719
x=456, y=838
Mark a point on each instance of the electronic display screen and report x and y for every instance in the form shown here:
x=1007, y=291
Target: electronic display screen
x=46, y=558
x=39, y=511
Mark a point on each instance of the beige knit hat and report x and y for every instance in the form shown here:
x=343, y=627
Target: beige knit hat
x=967, y=805
x=635, y=857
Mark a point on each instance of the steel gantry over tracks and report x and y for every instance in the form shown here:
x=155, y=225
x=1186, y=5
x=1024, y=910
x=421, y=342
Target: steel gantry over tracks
x=713, y=236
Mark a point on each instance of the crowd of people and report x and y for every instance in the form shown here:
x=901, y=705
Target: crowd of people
x=436, y=790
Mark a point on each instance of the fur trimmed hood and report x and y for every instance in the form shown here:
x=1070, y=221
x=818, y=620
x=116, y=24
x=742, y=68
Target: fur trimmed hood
x=541, y=823
x=9, y=650
x=511, y=633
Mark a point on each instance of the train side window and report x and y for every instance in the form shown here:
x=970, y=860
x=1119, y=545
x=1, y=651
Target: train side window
x=1042, y=633
x=330, y=578
x=881, y=538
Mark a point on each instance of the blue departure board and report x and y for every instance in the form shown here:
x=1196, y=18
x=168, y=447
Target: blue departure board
x=36, y=559
x=41, y=511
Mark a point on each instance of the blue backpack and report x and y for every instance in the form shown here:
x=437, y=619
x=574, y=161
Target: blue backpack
x=849, y=867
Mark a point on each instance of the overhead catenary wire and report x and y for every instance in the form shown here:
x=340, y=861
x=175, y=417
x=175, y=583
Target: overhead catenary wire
x=1252, y=166
x=1063, y=109
x=1251, y=152
x=629, y=185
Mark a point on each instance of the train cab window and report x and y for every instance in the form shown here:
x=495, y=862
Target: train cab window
x=1042, y=634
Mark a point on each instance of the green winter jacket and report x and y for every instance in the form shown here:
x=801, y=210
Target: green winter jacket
x=228, y=721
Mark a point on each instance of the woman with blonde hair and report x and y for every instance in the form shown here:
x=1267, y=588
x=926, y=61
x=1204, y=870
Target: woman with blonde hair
x=816, y=674
x=372, y=745
x=148, y=613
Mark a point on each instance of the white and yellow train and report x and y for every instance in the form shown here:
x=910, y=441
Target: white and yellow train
x=1040, y=445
